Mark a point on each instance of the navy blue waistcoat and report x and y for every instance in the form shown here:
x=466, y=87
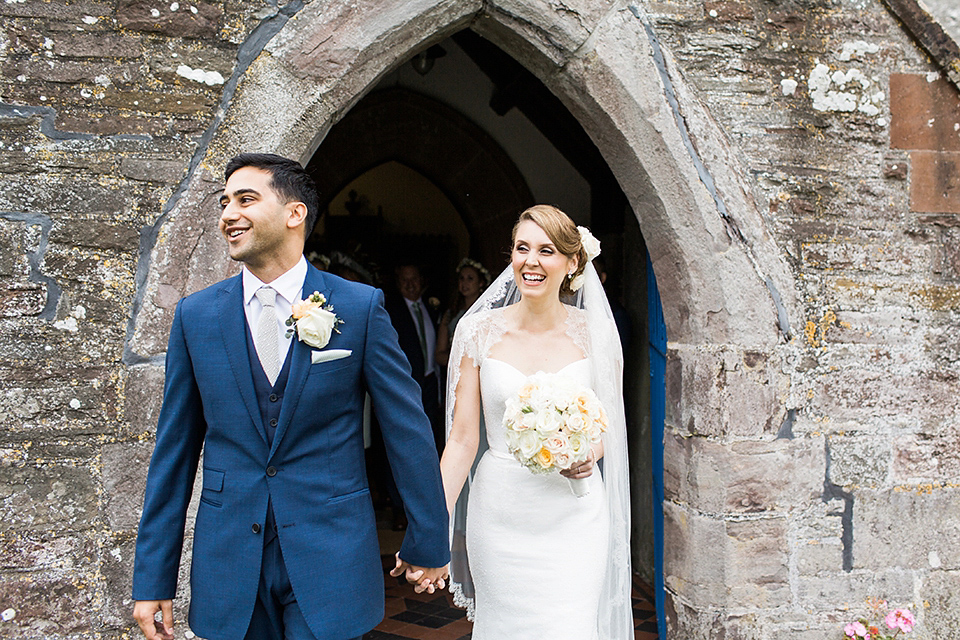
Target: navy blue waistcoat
x=270, y=400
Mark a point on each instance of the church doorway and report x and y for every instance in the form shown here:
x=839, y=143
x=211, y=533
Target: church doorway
x=434, y=164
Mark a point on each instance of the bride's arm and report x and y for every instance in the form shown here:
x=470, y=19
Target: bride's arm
x=464, y=438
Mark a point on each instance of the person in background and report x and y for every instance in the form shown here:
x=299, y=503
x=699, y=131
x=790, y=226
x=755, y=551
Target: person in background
x=472, y=280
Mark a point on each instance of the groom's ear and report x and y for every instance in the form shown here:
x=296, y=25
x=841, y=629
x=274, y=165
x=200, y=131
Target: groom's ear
x=296, y=214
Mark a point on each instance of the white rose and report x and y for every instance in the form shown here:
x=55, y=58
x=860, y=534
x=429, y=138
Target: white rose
x=574, y=422
x=549, y=421
x=562, y=460
x=577, y=282
x=315, y=326
x=529, y=443
x=557, y=443
x=513, y=441
x=590, y=244
x=579, y=446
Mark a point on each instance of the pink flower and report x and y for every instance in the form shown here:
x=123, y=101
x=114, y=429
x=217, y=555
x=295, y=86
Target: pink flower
x=900, y=619
x=855, y=630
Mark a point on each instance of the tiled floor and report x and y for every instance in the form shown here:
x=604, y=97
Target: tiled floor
x=422, y=616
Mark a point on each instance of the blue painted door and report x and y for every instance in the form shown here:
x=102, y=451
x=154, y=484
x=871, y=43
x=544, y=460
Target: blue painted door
x=657, y=331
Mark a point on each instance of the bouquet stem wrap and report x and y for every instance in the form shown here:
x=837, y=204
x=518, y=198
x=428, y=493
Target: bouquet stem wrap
x=579, y=486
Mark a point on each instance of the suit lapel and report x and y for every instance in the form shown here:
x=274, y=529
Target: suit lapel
x=233, y=328
x=299, y=360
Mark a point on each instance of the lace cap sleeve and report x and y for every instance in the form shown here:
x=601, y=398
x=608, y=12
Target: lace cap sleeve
x=476, y=334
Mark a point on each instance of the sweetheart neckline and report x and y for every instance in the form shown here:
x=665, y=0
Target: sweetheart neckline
x=560, y=370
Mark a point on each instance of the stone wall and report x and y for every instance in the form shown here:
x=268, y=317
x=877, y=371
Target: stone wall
x=102, y=107
x=849, y=134
x=802, y=475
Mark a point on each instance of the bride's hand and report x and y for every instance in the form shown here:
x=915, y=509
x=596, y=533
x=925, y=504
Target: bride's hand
x=582, y=470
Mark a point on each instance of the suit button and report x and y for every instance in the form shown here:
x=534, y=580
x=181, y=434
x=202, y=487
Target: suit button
x=271, y=471
x=256, y=527
x=274, y=397
x=273, y=422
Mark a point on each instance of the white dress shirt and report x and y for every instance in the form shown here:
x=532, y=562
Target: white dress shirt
x=289, y=288
x=428, y=331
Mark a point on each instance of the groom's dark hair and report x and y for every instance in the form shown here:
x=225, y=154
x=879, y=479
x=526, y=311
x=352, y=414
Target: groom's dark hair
x=290, y=180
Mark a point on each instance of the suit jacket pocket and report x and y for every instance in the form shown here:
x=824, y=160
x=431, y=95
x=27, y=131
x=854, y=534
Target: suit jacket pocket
x=349, y=496
x=212, y=487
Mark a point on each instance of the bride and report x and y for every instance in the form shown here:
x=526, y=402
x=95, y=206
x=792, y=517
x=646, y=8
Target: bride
x=531, y=559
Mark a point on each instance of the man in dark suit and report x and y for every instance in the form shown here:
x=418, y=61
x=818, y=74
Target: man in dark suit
x=285, y=542
x=416, y=329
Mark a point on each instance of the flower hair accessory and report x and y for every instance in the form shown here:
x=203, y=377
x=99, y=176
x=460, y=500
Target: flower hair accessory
x=592, y=248
x=470, y=262
x=313, y=320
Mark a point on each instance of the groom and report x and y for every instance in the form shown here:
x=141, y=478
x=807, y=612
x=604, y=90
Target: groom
x=285, y=542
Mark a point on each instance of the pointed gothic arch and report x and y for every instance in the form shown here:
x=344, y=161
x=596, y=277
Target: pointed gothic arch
x=723, y=283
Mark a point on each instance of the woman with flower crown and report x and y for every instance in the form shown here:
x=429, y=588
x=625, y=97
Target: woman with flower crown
x=472, y=279
x=539, y=555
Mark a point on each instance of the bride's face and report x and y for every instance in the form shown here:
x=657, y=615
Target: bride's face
x=538, y=267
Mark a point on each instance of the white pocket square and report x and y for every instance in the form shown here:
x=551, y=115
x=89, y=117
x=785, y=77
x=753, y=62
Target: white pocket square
x=328, y=355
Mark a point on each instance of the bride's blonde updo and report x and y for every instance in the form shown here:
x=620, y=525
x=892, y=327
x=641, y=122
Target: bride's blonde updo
x=563, y=233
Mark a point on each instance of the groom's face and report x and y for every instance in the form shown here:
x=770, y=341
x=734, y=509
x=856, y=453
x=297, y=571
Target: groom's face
x=253, y=218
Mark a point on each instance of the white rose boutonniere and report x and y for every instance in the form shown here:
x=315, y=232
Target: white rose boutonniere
x=313, y=320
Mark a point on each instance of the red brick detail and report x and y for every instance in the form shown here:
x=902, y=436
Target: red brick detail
x=924, y=115
x=934, y=182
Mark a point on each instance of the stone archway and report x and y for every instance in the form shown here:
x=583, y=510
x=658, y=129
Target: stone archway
x=727, y=295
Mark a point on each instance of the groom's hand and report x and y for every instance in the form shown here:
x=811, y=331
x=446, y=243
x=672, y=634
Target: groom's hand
x=423, y=578
x=144, y=612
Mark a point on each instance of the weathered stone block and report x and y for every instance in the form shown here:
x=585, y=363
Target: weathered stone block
x=96, y=234
x=61, y=11
x=702, y=384
x=693, y=567
x=744, y=477
x=32, y=551
x=142, y=398
x=47, y=605
x=828, y=592
x=862, y=393
x=819, y=556
x=153, y=169
x=862, y=460
x=923, y=114
x=757, y=563
x=116, y=582
x=183, y=21
x=58, y=497
x=949, y=250
x=96, y=45
x=906, y=529
x=124, y=478
x=927, y=457
x=935, y=183
x=110, y=124
x=179, y=102
x=23, y=299
x=941, y=590
x=565, y=26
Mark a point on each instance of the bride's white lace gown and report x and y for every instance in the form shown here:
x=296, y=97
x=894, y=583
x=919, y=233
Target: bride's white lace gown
x=537, y=552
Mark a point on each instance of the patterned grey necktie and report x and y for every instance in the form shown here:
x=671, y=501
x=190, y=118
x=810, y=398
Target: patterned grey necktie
x=267, y=340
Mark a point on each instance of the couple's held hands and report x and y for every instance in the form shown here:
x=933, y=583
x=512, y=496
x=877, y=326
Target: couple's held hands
x=144, y=612
x=583, y=469
x=422, y=578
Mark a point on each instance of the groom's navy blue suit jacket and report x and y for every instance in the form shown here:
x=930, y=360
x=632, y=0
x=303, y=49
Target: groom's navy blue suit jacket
x=313, y=474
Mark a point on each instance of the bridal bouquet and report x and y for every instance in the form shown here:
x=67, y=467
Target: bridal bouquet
x=551, y=423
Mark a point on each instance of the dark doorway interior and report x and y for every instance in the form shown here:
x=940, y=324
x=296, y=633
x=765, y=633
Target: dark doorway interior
x=435, y=163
